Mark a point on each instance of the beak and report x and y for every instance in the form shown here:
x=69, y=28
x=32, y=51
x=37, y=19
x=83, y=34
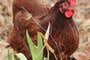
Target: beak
x=71, y=8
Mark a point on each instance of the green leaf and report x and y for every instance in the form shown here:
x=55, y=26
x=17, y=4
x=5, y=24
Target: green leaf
x=40, y=43
x=21, y=56
x=10, y=56
x=40, y=46
x=29, y=41
x=36, y=51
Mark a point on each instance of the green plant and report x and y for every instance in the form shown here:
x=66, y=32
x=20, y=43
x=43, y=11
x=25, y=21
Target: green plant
x=21, y=56
x=10, y=56
x=36, y=51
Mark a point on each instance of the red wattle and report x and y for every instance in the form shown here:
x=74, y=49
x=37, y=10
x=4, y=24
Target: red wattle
x=69, y=13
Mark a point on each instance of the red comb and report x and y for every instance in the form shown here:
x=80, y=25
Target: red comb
x=73, y=2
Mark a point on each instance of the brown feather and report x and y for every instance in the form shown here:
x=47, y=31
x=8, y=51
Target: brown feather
x=35, y=7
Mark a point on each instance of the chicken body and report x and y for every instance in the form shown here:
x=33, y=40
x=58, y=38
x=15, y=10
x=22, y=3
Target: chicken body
x=64, y=37
x=35, y=7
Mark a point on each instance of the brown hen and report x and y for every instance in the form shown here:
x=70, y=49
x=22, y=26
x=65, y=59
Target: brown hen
x=64, y=37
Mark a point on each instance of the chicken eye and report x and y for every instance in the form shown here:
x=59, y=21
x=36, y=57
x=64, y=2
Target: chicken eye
x=60, y=6
x=65, y=5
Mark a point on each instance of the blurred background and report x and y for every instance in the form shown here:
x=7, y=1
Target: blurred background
x=81, y=17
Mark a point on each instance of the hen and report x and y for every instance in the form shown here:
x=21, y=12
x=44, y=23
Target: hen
x=64, y=36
